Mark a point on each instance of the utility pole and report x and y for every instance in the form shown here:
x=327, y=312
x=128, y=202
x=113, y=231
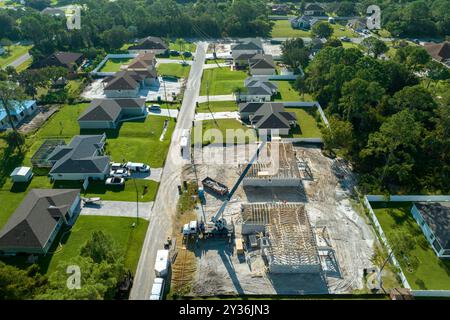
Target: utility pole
x=137, y=201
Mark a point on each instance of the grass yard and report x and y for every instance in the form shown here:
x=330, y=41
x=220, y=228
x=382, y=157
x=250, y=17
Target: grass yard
x=286, y=92
x=214, y=61
x=224, y=126
x=217, y=106
x=431, y=272
x=188, y=46
x=24, y=65
x=221, y=81
x=15, y=51
x=346, y=32
x=283, y=29
x=136, y=141
x=174, y=70
x=308, y=126
x=114, y=64
x=128, y=239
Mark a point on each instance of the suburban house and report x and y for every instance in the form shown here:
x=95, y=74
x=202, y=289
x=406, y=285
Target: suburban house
x=150, y=44
x=314, y=9
x=126, y=84
x=18, y=111
x=107, y=113
x=246, y=46
x=257, y=90
x=439, y=51
x=358, y=25
x=280, y=9
x=269, y=117
x=434, y=220
x=262, y=64
x=303, y=22
x=144, y=61
x=82, y=159
x=37, y=221
x=56, y=12
x=69, y=60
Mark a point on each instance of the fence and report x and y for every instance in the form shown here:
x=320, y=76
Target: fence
x=308, y=104
x=405, y=198
x=96, y=71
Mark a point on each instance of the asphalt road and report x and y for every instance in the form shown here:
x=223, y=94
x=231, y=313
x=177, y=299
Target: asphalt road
x=164, y=209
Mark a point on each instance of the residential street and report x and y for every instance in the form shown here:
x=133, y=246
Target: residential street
x=19, y=60
x=164, y=208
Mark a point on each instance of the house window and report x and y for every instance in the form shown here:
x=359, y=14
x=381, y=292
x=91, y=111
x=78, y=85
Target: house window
x=446, y=252
x=21, y=114
x=437, y=246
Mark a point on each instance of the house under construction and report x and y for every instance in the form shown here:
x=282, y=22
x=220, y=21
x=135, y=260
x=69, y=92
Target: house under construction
x=276, y=166
x=288, y=242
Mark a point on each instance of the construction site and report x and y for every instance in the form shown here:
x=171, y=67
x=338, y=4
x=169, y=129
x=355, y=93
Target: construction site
x=292, y=229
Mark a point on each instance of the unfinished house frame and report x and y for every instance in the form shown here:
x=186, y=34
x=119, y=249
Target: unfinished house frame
x=277, y=167
x=288, y=241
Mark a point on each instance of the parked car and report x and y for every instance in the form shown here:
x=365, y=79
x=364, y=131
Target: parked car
x=116, y=165
x=119, y=172
x=345, y=39
x=155, y=107
x=115, y=181
x=157, y=289
x=139, y=167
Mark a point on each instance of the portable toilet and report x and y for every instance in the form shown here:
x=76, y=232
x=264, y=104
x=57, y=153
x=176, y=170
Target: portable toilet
x=239, y=246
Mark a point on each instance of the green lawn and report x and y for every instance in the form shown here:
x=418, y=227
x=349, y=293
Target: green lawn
x=431, y=272
x=114, y=64
x=134, y=141
x=188, y=46
x=212, y=61
x=174, y=69
x=15, y=51
x=308, y=126
x=283, y=29
x=217, y=106
x=286, y=92
x=128, y=239
x=221, y=81
x=24, y=65
x=226, y=127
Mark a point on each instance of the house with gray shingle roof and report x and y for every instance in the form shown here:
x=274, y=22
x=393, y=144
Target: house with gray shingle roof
x=149, y=44
x=82, y=159
x=434, y=220
x=262, y=65
x=107, y=113
x=246, y=46
x=257, y=90
x=37, y=221
x=269, y=117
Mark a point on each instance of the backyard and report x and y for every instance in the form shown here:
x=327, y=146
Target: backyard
x=217, y=106
x=174, y=69
x=307, y=124
x=187, y=46
x=286, y=92
x=422, y=268
x=114, y=64
x=15, y=51
x=221, y=81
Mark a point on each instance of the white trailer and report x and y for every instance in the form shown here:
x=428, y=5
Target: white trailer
x=157, y=289
x=162, y=263
x=185, y=144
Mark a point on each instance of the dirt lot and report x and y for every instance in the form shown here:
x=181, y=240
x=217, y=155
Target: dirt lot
x=327, y=200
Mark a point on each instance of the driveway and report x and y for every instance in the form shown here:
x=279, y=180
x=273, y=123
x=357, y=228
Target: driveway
x=215, y=65
x=154, y=174
x=118, y=209
x=225, y=97
x=19, y=60
x=172, y=113
x=165, y=206
x=217, y=115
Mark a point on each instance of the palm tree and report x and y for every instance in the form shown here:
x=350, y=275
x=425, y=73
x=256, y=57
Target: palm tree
x=10, y=91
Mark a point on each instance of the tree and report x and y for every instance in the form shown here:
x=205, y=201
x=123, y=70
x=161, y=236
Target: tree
x=346, y=9
x=338, y=135
x=374, y=46
x=333, y=42
x=115, y=37
x=180, y=43
x=436, y=71
x=322, y=29
x=415, y=57
x=100, y=247
x=294, y=53
x=18, y=284
x=10, y=93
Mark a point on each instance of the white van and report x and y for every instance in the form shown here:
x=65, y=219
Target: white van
x=157, y=289
x=139, y=167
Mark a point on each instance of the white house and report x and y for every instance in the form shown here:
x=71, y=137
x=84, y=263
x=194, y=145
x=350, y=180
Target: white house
x=18, y=111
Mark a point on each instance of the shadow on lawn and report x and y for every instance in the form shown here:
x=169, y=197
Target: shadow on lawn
x=95, y=187
x=10, y=159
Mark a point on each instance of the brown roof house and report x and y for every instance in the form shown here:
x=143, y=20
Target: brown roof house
x=69, y=60
x=439, y=51
x=150, y=44
x=37, y=221
x=108, y=113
